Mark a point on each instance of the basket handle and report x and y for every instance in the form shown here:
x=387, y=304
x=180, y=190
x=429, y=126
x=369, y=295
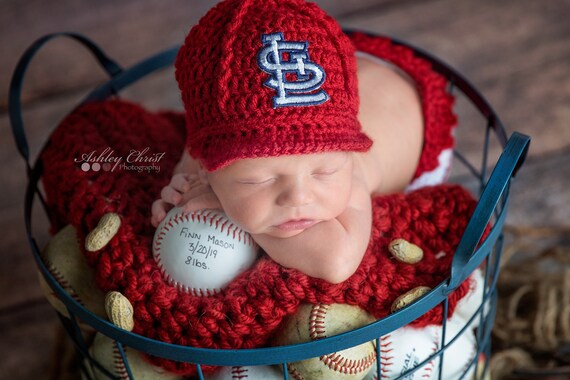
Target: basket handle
x=15, y=104
x=509, y=162
x=132, y=74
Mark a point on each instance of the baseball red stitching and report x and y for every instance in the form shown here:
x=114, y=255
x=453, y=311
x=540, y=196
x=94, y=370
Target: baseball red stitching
x=120, y=368
x=386, y=358
x=335, y=361
x=293, y=372
x=430, y=365
x=58, y=276
x=210, y=217
x=385, y=355
x=239, y=372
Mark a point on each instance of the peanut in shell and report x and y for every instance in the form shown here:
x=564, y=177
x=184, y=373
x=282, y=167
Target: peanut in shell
x=119, y=310
x=409, y=297
x=405, y=251
x=103, y=233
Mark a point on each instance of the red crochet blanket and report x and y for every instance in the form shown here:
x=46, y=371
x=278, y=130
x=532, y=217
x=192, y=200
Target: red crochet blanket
x=255, y=304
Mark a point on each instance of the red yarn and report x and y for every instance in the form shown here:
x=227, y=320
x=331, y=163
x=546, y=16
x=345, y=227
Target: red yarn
x=255, y=304
x=437, y=103
x=230, y=109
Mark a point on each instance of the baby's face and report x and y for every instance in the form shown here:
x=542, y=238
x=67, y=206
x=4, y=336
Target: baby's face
x=282, y=196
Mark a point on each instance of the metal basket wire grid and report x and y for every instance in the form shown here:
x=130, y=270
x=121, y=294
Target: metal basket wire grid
x=470, y=254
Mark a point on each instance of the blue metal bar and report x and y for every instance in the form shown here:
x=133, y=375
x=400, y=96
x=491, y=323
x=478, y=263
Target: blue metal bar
x=132, y=74
x=474, y=172
x=514, y=153
x=445, y=306
x=124, y=358
x=378, y=358
x=199, y=370
x=15, y=92
x=485, y=156
x=285, y=369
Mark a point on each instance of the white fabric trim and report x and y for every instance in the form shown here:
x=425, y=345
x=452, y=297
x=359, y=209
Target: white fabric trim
x=438, y=175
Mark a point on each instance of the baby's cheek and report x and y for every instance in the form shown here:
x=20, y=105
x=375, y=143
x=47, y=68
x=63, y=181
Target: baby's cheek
x=240, y=213
x=336, y=200
x=336, y=209
x=245, y=223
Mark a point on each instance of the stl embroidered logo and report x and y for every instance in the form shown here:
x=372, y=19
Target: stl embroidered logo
x=305, y=91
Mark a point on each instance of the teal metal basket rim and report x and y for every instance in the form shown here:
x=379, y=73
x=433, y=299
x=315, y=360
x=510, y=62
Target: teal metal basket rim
x=290, y=353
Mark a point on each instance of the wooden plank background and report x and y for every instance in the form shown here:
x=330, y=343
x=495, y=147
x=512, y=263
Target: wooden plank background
x=517, y=52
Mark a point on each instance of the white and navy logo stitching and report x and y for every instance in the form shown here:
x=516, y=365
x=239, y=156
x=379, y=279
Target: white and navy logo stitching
x=278, y=58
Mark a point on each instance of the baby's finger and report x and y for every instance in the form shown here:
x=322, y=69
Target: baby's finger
x=182, y=182
x=201, y=202
x=158, y=209
x=169, y=195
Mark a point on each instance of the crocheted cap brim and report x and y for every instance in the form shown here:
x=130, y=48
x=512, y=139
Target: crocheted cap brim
x=276, y=140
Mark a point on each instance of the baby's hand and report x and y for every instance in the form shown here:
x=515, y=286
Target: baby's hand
x=184, y=190
x=170, y=196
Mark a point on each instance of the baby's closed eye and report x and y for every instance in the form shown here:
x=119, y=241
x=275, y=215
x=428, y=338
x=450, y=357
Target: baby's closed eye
x=324, y=172
x=256, y=181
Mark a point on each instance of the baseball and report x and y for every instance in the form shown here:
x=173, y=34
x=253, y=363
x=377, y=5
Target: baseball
x=409, y=349
x=312, y=322
x=460, y=354
x=467, y=306
x=105, y=351
x=67, y=264
x=262, y=372
x=201, y=252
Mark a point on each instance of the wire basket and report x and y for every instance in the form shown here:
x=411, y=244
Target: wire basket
x=493, y=188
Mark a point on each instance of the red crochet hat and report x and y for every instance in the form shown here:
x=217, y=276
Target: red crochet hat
x=262, y=78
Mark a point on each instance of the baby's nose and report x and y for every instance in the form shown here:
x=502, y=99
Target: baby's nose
x=295, y=194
